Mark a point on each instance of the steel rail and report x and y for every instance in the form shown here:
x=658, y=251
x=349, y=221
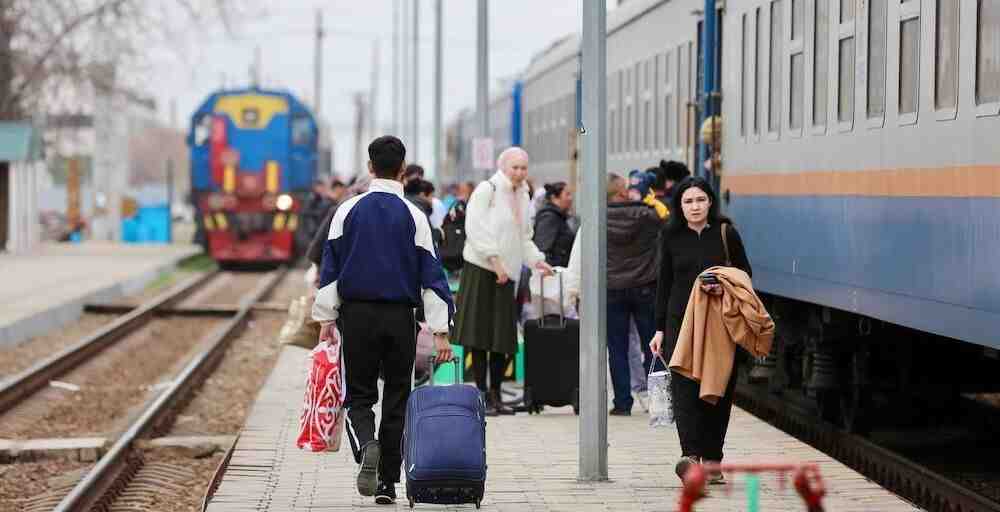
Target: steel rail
x=30, y=380
x=98, y=488
x=916, y=483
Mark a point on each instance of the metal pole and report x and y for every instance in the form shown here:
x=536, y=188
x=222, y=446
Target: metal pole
x=318, y=65
x=373, y=92
x=170, y=200
x=438, y=85
x=593, y=209
x=708, y=83
x=482, y=70
x=395, y=67
x=416, y=79
x=404, y=64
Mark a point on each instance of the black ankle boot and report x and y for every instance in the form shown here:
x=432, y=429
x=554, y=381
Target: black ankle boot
x=501, y=409
x=491, y=409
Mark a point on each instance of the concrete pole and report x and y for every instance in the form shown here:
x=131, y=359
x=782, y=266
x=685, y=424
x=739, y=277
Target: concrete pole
x=593, y=210
x=404, y=80
x=416, y=80
x=438, y=86
x=395, y=67
x=483, y=71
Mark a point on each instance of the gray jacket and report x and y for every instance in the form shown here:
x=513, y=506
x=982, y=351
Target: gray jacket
x=633, y=233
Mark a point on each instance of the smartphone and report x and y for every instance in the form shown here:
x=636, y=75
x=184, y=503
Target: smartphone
x=709, y=279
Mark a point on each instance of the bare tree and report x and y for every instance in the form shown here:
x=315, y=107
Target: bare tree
x=48, y=44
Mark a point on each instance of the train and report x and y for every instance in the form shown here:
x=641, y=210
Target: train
x=856, y=158
x=253, y=162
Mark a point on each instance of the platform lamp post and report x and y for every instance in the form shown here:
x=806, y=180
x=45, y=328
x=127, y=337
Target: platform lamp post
x=593, y=446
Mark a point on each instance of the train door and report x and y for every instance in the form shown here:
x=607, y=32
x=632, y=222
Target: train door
x=303, y=150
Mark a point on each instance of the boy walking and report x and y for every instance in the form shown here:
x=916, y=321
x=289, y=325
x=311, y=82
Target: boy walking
x=378, y=265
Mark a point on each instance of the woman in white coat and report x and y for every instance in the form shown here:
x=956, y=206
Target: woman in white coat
x=498, y=242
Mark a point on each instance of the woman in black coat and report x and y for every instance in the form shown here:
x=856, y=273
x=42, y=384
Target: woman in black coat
x=691, y=243
x=553, y=235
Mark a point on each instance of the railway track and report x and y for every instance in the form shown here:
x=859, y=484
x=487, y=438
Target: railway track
x=111, y=474
x=29, y=381
x=924, y=487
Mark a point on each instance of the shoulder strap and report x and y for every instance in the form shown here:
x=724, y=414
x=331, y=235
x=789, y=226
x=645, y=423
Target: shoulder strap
x=725, y=244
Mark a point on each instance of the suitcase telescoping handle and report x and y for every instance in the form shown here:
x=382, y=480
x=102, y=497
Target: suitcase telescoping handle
x=541, y=312
x=454, y=360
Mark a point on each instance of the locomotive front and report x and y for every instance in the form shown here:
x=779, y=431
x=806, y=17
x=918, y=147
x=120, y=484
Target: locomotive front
x=253, y=159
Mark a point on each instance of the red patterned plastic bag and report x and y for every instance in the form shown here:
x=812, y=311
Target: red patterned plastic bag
x=322, y=420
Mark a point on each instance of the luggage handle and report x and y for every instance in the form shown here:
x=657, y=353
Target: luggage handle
x=541, y=313
x=430, y=361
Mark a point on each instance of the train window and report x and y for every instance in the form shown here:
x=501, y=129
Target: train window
x=640, y=86
x=647, y=108
x=821, y=62
x=909, y=65
x=682, y=94
x=988, y=53
x=777, y=50
x=611, y=131
x=877, y=34
x=655, y=92
x=203, y=130
x=744, y=74
x=798, y=19
x=946, y=56
x=796, y=93
x=845, y=100
x=302, y=130
x=618, y=113
x=847, y=10
x=668, y=99
x=758, y=119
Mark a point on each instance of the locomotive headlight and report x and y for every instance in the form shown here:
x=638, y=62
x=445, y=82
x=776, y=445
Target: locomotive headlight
x=284, y=202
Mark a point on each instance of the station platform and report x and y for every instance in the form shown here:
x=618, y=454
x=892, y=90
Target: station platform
x=47, y=287
x=532, y=464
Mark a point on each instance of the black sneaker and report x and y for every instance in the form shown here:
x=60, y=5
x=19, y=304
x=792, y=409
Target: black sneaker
x=367, y=474
x=619, y=412
x=386, y=493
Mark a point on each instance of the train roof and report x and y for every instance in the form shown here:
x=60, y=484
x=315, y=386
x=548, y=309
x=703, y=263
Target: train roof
x=284, y=93
x=568, y=46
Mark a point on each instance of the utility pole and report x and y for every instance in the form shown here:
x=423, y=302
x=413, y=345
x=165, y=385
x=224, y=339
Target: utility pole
x=593, y=455
x=373, y=92
x=416, y=79
x=482, y=70
x=404, y=62
x=395, y=67
x=438, y=84
x=359, y=125
x=318, y=64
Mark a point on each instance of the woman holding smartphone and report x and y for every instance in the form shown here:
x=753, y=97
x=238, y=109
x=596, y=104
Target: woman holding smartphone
x=691, y=243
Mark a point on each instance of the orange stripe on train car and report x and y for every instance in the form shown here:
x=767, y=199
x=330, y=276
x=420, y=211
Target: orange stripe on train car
x=963, y=181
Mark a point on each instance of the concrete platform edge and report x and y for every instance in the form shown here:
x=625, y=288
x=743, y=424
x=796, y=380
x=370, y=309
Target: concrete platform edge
x=59, y=315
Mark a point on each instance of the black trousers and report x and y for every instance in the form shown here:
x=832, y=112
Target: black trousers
x=378, y=336
x=497, y=363
x=701, y=426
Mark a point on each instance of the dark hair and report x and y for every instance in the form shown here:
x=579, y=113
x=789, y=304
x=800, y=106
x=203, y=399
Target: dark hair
x=387, y=154
x=414, y=170
x=335, y=183
x=418, y=186
x=672, y=170
x=677, y=219
x=554, y=189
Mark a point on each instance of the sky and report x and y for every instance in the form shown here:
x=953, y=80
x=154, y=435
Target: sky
x=518, y=30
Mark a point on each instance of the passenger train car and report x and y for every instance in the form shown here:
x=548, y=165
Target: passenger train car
x=253, y=161
x=857, y=160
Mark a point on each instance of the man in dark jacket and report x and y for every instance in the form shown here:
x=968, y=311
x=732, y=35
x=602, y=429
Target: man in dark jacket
x=633, y=230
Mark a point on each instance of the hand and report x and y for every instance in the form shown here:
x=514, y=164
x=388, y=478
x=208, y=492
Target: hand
x=656, y=343
x=326, y=331
x=498, y=269
x=544, y=268
x=443, y=349
x=711, y=289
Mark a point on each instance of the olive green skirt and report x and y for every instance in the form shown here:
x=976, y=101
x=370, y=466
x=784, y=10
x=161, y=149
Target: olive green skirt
x=487, y=315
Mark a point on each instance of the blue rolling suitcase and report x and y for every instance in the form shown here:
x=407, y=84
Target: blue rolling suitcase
x=444, y=445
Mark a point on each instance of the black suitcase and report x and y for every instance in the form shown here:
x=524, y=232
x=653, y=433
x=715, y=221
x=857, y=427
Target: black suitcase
x=552, y=360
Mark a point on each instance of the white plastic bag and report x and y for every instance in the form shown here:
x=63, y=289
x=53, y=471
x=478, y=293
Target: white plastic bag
x=661, y=412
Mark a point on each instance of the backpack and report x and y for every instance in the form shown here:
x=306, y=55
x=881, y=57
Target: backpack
x=453, y=229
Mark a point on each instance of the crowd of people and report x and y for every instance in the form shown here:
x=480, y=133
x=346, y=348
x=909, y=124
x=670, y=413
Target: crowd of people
x=663, y=230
